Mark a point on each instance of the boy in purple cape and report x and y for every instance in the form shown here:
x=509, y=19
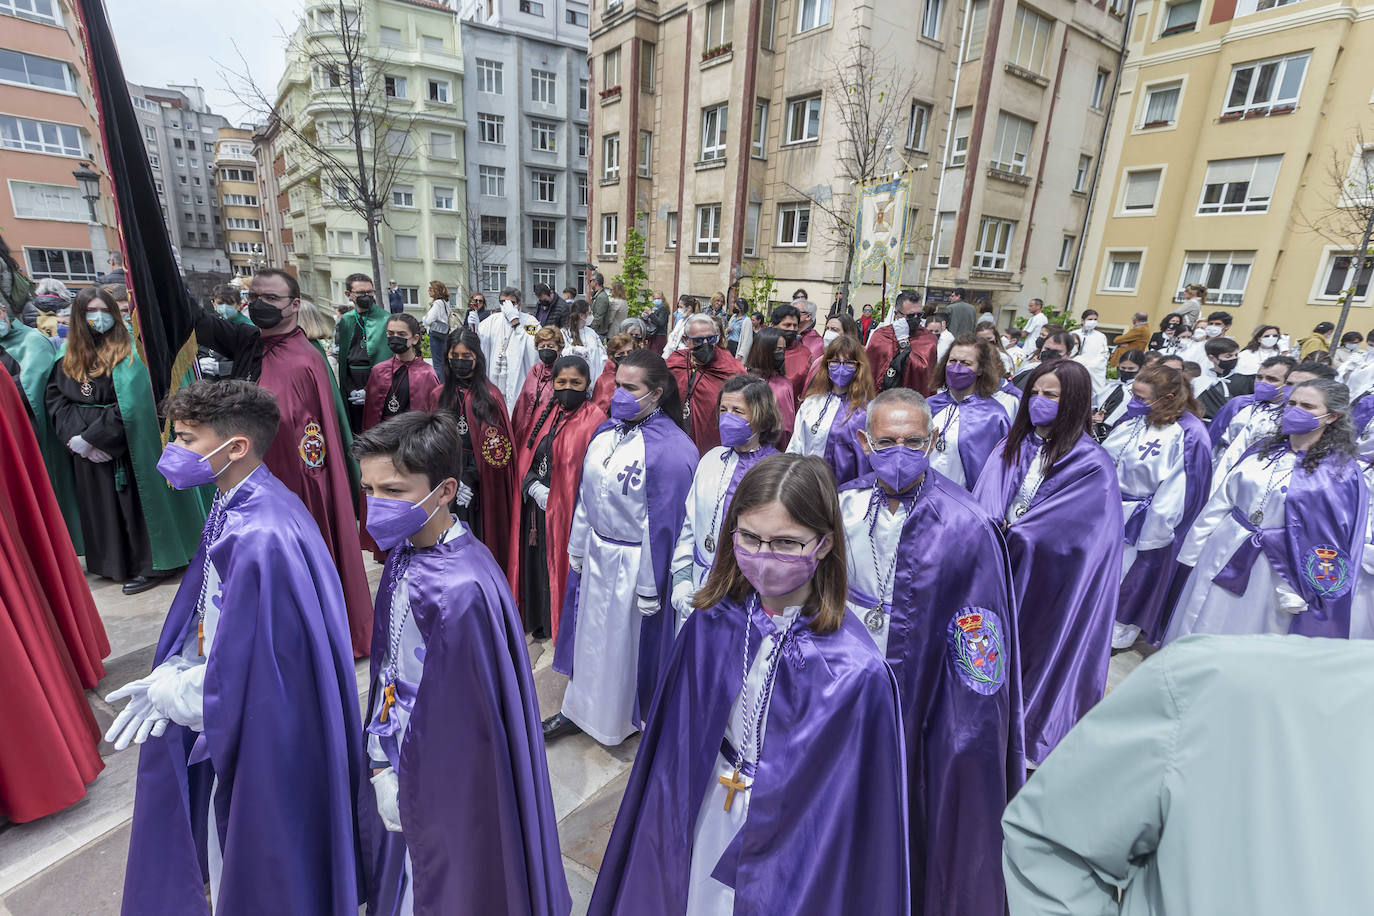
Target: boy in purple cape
x=250, y=772
x=457, y=759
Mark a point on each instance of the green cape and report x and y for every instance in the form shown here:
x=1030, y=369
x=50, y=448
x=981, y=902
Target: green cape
x=375, y=322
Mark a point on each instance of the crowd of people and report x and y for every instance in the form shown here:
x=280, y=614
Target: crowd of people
x=904, y=546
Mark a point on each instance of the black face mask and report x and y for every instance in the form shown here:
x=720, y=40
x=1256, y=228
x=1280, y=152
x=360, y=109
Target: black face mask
x=1047, y=356
x=398, y=344
x=779, y=360
x=913, y=324
x=1171, y=329
x=263, y=315
x=1224, y=366
x=364, y=302
x=462, y=368
x=1126, y=375
x=570, y=398
x=790, y=337
x=548, y=357
x=703, y=353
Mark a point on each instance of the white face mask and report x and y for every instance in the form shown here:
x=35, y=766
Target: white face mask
x=1199, y=333
x=829, y=336
x=1350, y=346
x=1213, y=331
x=1269, y=341
x=1090, y=324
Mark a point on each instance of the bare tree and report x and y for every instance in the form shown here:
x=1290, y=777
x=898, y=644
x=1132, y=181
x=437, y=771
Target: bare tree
x=364, y=142
x=1346, y=218
x=870, y=100
x=478, y=251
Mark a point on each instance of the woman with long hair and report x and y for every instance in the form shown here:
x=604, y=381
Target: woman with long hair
x=1263, y=345
x=620, y=305
x=1163, y=460
x=486, y=480
x=1055, y=490
x=99, y=398
x=403, y=382
x=548, y=464
x=440, y=321
x=970, y=411
x=630, y=504
x=581, y=340
x=828, y=422
x=1171, y=335
x=766, y=360
x=774, y=743
x=1278, y=547
x=538, y=388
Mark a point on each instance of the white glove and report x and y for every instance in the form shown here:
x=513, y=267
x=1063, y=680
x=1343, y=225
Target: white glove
x=79, y=446
x=683, y=593
x=96, y=456
x=357, y=396
x=464, y=494
x=387, y=787
x=540, y=494
x=141, y=717
x=208, y=366
x=575, y=564
x=648, y=606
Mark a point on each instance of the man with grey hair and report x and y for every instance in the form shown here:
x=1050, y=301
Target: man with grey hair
x=807, y=336
x=701, y=367
x=601, y=304
x=950, y=640
x=1136, y=337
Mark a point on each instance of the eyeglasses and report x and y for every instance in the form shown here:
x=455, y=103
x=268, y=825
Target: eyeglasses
x=788, y=547
x=697, y=341
x=853, y=364
x=478, y=302
x=917, y=443
x=269, y=299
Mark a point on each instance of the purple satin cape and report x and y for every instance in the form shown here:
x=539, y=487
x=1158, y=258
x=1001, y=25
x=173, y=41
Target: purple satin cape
x=1225, y=415
x=983, y=424
x=670, y=459
x=475, y=801
x=826, y=831
x=1066, y=574
x=1145, y=591
x=1362, y=412
x=964, y=747
x=282, y=731
x=843, y=452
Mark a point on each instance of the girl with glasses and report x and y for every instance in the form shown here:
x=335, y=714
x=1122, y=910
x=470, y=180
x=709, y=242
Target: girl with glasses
x=829, y=419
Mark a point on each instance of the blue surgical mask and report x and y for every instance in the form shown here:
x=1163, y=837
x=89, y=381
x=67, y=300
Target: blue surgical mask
x=100, y=322
x=227, y=312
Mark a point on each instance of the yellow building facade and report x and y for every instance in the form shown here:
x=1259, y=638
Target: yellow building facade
x=240, y=204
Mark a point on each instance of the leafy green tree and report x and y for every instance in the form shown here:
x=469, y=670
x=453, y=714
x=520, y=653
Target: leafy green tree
x=634, y=275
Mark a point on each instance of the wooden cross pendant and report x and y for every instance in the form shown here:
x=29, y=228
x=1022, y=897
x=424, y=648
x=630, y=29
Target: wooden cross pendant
x=200, y=638
x=388, y=701
x=732, y=785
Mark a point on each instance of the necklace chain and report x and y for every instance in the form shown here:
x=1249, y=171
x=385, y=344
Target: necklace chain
x=877, y=614
x=753, y=725
x=212, y=532
x=1257, y=515
x=815, y=427
x=397, y=622
x=720, y=499
x=1140, y=427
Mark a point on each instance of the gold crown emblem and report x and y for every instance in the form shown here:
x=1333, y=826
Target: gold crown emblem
x=1326, y=553
x=970, y=623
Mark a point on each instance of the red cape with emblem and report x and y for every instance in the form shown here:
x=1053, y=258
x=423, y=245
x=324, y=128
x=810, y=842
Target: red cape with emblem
x=423, y=382
x=529, y=403
x=569, y=451
x=882, y=349
x=796, y=364
x=51, y=638
x=605, y=386
x=704, y=385
x=308, y=456
x=494, y=449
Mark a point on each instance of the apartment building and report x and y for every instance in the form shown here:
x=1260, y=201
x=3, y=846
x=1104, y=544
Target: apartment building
x=717, y=127
x=278, y=241
x=1238, y=122
x=48, y=131
x=240, y=201
x=528, y=96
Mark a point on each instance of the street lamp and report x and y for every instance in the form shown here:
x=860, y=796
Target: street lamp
x=89, y=180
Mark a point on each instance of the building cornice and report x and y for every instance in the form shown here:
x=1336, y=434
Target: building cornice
x=1316, y=16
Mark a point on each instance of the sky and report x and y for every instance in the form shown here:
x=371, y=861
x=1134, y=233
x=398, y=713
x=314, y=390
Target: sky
x=162, y=42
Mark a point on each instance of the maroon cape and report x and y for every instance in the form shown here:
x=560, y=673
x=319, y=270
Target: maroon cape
x=605, y=386
x=813, y=342
x=787, y=406
x=423, y=382
x=308, y=457
x=51, y=638
x=529, y=403
x=704, y=386
x=494, y=450
x=797, y=363
x=882, y=348
x=569, y=451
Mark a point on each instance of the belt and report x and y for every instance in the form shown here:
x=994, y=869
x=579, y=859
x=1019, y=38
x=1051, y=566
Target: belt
x=1235, y=575
x=727, y=751
x=1137, y=518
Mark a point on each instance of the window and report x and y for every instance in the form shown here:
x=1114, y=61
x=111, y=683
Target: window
x=531, y=7
x=48, y=201
x=490, y=79
x=958, y=141
x=237, y=200
x=492, y=179
x=1100, y=89
x=1266, y=86
x=543, y=135
x=575, y=17
x=191, y=145
x=759, y=145
x=1011, y=148
x=402, y=195
x=140, y=102
x=66, y=264
x=1337, y=277
x=181, y=162
x=543, y=234
x=235, y=174
x=239, y=222
x=582, y=95
x=1141, y=191
x=994, y=243
x=977, y=29
x=671, y=232
x=195, y=163
x=445, y=248
x=38, y=72
x=1080, y=177
x=713, y=123
x=794, y=225
x=584, y=141
x=718, y=25
x=45, y=136
x=646, y=66
x=944, y=238
x=1123, y=272
x=646, y=153
x=1161, y=105
x=544, y=186
x=438, y=91
x=432, y=43
x=768, y=24
x=398, y=142
x=443, y=198
x=708, y=230
x=803, y=119
x=176, y=143
x=543, y=87
x=244, y=247
x=1239, y=185
x=610, y=157
x=182, y=179
x=410, y=295
x=610, y=69
x=491, y=129
x=1180, y=17
x=1224, y=273
x=440, y=145
x=812, y=14
x=1065, y=253
x=582, y=190
x=752, y=214
x=342, y=242
x=1030, y=40
x=493, y=230
x=918, y=126
x=930, y=18
x=149, y=132
x=492, y=277
x=389, y=37
x=158, y=185
x=186, y=199
x=37, y=10
x=610, y=234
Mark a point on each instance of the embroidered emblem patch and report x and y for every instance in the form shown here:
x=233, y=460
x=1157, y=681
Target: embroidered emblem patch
x=312, y=445
x=975, y=648
x=1327, y=570
x=496, y=448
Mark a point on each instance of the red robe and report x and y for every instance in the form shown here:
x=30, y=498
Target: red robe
x=787, y=406
x=704, y=386
x=569, y=451
x=308, y=456
x=51, y=638
x=423, y=382
x=813, y=342
x=605, y=386
x=797, y=362
x=882, y=347
x=529, y=403
x=494, y=450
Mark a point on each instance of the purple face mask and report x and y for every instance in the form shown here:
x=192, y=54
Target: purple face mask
x=734, y=430
x=898, y=466
x=391, y=521
x=774, y=574
x=1043, y=410
x=1135, y=407
x=186, y=470
x=841, y=376
x=1265, y=391
x=958, y=376
x=1297, y=421
x=624, y=406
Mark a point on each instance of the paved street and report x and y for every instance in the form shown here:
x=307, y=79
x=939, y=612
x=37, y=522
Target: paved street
x=72, y=863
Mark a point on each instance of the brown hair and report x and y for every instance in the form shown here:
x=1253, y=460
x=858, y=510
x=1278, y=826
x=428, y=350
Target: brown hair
x=989, y=365
x=549, y=333
x=437, y=290
x=1168, y=382
x=84, y=360
x=805, y=486
x=616, y=341
x=861, y=389
x=762, y=404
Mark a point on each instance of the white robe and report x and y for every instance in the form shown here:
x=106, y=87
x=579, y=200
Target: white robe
x=1251, y=424
x=589, y=348
x=870, y=560
x=610, y=535
x=706, y=510
x=945, y=426
x=1092, y=355
x=820, y=411
x=1150, y=462
x=509, y=353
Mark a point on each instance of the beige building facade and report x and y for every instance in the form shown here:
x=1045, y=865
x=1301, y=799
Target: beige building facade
x=240, y=201
x=716, y=125
x=1238, y=163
